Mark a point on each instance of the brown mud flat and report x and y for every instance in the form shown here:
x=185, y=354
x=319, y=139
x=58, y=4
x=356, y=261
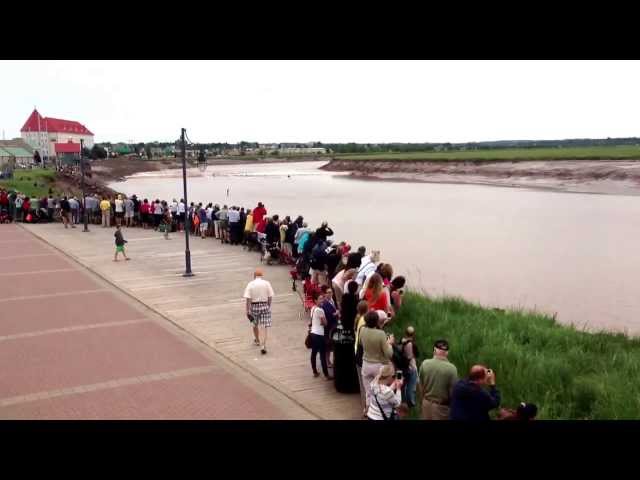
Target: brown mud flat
x=616, y=177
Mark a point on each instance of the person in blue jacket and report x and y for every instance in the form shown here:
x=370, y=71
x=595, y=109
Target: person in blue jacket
x=470, y=399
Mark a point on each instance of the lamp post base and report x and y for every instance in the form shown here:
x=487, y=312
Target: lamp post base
x=188, y=274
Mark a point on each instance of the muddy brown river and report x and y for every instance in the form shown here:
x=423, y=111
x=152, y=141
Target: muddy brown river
x=561, y=253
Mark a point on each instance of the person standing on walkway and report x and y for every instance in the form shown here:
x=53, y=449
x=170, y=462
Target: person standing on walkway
x=128, y=212
x=182, y=216
x=165, y=226
x=437, y=378
x=120, y=241
x=318, y=344
x=75, y=210
x=105, y=208
x=119, y=210
x=470, y=401
x=377, y=350
x=258, y=295
x=65, y=212
x=51, y=206
x=233, y=216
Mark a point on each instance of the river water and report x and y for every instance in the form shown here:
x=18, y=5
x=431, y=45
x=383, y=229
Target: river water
x=561, y=253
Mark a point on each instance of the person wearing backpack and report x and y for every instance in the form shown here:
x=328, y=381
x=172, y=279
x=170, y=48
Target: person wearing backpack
x=410, y=370
x=385, y=395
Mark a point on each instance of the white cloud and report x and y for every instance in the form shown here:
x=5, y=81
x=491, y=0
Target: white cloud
x=330, y=101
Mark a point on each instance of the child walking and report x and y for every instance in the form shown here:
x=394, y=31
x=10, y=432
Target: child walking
x=120, y=241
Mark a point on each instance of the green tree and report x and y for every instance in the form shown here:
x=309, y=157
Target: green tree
x=98, y=151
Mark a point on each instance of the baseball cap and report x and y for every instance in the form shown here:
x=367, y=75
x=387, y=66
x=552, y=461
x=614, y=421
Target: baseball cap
x=441, y=345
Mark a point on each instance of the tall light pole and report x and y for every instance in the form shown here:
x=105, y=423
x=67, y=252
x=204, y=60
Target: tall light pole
x=187, y=253
x=84, y=196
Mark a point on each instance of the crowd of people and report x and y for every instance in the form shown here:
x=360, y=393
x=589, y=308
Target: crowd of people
x=350, y=290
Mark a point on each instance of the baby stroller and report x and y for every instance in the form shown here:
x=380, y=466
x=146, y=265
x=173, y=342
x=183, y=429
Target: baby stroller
x=5, y=217
x=270, y=252
x=252, y=242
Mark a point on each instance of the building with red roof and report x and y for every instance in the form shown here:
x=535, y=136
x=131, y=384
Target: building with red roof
x=51, y=136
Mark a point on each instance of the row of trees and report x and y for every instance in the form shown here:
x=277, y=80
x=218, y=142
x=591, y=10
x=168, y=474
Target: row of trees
x=219, y=147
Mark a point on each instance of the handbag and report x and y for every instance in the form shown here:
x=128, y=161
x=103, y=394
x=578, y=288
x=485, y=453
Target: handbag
x=394, y=414
x=359, y=349
x=307, y=341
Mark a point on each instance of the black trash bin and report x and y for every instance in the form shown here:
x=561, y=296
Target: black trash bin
x=344, y=364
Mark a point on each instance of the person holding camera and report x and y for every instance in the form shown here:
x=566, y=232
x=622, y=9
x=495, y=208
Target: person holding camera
x=377, y=351
x=386, y=394
x=258, y=295
x=470, y=400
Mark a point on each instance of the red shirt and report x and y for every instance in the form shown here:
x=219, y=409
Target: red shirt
x=381, y=303
x=4, y=199
x=144, y=208
x=258, y=215
x=26, y=205
x=262, y=226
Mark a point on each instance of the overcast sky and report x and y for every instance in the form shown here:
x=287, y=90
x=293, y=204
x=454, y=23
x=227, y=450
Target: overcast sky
x=327, y=101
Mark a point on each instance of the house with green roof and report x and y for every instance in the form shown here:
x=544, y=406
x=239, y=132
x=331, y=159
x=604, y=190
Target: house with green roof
x=15, y=150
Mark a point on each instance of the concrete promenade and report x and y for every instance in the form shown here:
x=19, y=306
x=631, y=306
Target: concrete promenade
x=91, y=310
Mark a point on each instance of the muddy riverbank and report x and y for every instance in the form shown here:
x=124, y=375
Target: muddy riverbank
x=617, y=177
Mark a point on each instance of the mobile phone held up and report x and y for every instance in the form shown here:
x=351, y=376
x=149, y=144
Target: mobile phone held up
x=399, y=375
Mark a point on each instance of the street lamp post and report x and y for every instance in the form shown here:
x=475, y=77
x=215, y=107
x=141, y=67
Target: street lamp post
x=84, y=196
x=187, y=253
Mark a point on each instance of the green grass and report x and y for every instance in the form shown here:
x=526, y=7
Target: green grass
x=569, y=374
x=622, y=152
x=32, y=183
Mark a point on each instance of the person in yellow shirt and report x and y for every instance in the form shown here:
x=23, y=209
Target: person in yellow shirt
x=105, y=207
x=248, y=225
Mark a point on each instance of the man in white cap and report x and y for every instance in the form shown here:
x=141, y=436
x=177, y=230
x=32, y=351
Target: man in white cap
x=258, y=295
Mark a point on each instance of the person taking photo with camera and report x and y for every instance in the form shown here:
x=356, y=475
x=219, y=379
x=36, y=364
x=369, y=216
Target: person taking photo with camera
x=470, y=400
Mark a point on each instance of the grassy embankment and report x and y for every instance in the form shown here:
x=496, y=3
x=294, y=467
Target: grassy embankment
x=623, y=152
x=569, y=374
x=32, y=183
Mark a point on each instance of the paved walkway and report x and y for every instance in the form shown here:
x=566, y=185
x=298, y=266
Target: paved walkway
x=207, y=306
x=72, y=346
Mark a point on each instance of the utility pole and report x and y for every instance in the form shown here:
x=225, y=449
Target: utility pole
x=187, y=253
x=84, y=196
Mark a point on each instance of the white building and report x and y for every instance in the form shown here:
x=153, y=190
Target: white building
x=50, y=136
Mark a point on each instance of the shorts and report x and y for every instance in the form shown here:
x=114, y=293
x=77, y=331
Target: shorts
x=119, y=214
x=262, y=313
x=145, y=218
x=182, y=217
x=203, y=226
x=120, y=248
x=128, y=214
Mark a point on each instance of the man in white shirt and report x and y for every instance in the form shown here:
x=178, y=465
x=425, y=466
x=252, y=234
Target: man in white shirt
x=258, y=295
x=119, y=210
x=233, y=216
x=181, y=214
